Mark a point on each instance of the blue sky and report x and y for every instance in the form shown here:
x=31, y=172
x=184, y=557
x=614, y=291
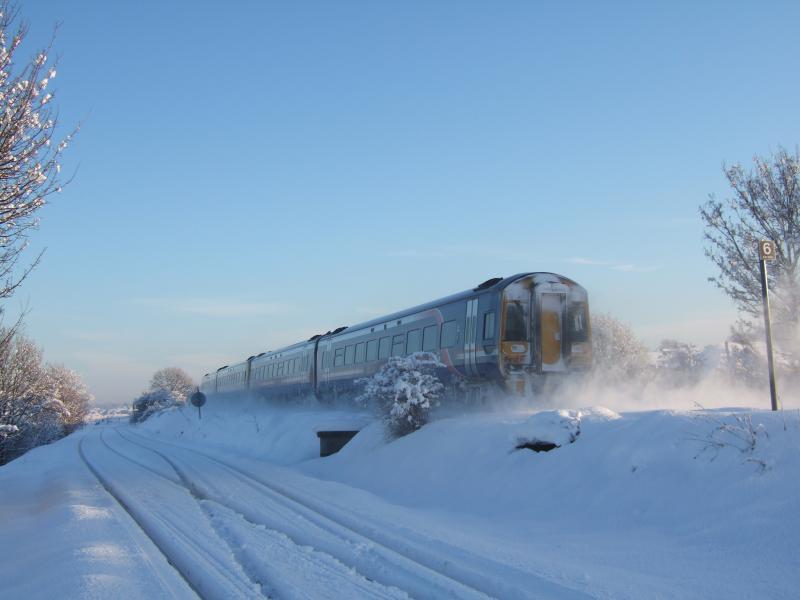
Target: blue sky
x=252, y=173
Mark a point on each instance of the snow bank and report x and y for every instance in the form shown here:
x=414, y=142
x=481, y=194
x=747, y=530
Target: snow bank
x=700, y=503
x=62, y=536
x=691, y=503
x=279, y=433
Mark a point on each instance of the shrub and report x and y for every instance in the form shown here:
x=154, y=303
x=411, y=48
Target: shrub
x=150, y=403
x=404, y=391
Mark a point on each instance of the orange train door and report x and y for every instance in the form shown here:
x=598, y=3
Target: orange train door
x=552, y=312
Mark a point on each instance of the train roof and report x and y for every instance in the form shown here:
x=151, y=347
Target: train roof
x=496, y=284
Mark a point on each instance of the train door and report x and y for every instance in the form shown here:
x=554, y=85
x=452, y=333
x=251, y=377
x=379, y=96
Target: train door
x=552, y=307
x=470, y=337
x=325, y=360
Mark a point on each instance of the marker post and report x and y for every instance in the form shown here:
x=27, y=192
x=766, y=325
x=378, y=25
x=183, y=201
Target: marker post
x=198, y=399
x=766, y=251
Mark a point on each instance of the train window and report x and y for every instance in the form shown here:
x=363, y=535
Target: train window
x=360, y=352
x=372, y=350
x=385, y=348
x=399, y=345
x=449, y=334
x=414, y=341
x=577, y=323
x=338, y=357
x=488, y=325
x=349, y=354
x=429, y=337
x=516, y=331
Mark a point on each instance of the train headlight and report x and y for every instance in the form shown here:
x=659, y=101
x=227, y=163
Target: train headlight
x=518, y=348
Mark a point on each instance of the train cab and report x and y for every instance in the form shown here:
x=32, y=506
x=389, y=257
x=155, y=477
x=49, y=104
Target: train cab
x=544, y=327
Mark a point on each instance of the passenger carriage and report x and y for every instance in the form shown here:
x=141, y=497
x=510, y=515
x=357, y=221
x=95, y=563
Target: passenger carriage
x=507, y=332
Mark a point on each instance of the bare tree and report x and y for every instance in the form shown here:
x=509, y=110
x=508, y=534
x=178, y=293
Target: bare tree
x=29, y=152
x=174, y=380
x=765, y=205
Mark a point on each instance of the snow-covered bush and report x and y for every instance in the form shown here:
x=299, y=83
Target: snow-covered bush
x=404, y=391
x=150, y=403
x=617, y=353
x=734, y=431
x=679, y=363
x=735, y=362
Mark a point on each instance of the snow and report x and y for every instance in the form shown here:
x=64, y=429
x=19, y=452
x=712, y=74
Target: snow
x=701, y=503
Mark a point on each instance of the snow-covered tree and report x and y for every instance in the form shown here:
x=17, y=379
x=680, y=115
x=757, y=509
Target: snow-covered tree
x=742, y=364
x=765, y=204
x=38, y=403
x=617, y=354
x=29, y=152
x=404, y=391
x=67, y=387
x=174, y=380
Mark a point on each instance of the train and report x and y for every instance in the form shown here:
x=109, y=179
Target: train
x=508, y=333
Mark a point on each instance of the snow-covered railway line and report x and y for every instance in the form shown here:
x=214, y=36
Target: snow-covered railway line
x=213, y=549
x=244, y=509
x=205, y=573
x=422, y=566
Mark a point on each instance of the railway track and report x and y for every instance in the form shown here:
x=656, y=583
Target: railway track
x=278, y=541
x=475, y=573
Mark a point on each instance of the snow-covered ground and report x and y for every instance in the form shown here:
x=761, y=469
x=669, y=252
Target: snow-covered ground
x=641, y=504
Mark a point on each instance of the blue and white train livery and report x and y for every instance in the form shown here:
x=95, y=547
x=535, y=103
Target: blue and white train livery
x=506, y=332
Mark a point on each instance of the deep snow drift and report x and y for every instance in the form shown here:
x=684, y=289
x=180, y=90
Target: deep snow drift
x=700, y=503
